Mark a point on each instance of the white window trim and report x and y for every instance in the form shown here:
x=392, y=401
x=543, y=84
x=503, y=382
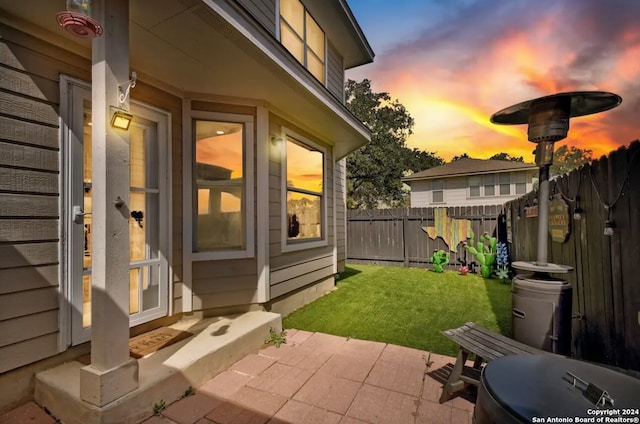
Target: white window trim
x=301, y=245
x=248, y=172
x=432, y=190
x=304, y=41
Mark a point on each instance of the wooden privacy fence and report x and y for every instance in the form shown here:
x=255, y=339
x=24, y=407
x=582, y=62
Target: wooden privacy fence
x=606, y=276
x=395, y=236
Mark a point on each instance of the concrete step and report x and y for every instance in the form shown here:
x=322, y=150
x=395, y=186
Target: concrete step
x=164, y=375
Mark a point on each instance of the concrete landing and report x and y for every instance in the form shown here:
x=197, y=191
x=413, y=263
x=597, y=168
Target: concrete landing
x=165, y=375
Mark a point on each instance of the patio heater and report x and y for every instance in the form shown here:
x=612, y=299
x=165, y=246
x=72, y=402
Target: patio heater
x=541, y=303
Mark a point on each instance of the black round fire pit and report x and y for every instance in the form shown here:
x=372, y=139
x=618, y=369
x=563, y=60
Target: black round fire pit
x=535, y=388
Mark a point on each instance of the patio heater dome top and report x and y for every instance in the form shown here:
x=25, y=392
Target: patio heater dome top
x=582, y=103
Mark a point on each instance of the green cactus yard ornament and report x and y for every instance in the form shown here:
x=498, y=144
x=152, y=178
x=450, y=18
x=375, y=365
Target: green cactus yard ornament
x=439, y=259
x=485, y=254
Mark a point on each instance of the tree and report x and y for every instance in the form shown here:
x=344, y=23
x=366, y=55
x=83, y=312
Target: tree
x=507, y=156
x=375, y=170
x=566, y=159
x=462, y=156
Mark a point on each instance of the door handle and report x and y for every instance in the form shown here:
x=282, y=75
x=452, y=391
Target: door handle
x=78, y=214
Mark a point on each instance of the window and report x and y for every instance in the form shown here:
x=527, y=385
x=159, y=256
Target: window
x=222, y=200
x=437, y=191
x=505, y=184
x=521, y=182
x=489, y=182
x=474, y=186
x=304, y=170
x=303, y=37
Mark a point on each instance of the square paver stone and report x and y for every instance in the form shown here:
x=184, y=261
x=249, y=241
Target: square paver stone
x=281, y=379
x=302, y=358
x=324, y=343
x=400, y=378
x=188, y=410
x=404, y=356
x=382, y=406
x=434, y=413
x=27, y=413
x=247, y=406
x=349, y=420
x=252, y=364
x=298, y=412
x=363, y=349
x=328, y=392
x=297, y=337
x=347, y=366
x=225, y=384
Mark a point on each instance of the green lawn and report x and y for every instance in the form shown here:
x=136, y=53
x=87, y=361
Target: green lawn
x=406, y=306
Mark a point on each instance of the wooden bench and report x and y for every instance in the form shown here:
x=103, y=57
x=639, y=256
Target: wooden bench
x=486, y=346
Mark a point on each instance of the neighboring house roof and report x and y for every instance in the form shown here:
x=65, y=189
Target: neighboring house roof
x=469, y=166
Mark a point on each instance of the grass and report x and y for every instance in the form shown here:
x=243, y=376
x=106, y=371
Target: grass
x=406, y=306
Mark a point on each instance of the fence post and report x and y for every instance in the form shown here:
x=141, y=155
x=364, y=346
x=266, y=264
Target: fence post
x=405, y=244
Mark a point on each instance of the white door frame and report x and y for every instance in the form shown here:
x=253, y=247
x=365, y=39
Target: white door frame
x=72, y=93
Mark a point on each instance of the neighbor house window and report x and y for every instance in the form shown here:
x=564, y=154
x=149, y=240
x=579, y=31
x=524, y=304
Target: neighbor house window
x=489, y=182
x=222, y=163
x=474, y=186
x=521, y=182
x=303, y=37
x=303, y=167
x=505, y=184
x=437, y=191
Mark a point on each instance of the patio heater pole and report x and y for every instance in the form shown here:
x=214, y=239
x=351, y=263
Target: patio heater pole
x=539, y=294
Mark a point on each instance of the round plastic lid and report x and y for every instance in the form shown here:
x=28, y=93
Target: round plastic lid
x=538, y=386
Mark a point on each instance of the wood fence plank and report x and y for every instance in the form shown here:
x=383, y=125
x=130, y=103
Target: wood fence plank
x=629, y=254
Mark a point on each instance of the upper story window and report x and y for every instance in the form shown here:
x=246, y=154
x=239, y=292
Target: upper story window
x=489, y=182
x=474, y=186
x=303, y=37
x=304, y=188
x=521, y=182
x=437, y=191
x=505, y=183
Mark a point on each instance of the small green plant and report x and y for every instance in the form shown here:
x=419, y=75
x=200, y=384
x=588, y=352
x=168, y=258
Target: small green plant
x=485, y=254
x=188, y=392
x=439, y=259
x=158, y=407
x=276, y=338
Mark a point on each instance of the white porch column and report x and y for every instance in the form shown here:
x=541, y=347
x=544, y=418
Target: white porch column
x=112, y=372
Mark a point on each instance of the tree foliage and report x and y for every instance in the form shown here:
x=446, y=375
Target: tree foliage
x=507, y=156
x=375, y=170
x=462, y=156
x=566, y=159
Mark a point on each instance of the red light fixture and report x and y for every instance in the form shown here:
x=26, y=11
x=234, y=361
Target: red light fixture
x=78, y=21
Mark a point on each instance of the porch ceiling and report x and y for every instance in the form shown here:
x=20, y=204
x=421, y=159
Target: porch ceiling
x=186, y=45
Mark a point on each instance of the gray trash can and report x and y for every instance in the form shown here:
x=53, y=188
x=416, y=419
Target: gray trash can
x=541, y=312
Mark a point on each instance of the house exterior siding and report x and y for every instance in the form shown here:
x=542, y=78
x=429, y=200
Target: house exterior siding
x=456, y=192
x=264, y=11
x=31, y=166
x=41, y=66
x=295, y=269
x=335, y=72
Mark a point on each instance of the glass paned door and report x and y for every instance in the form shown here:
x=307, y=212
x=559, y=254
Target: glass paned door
x=148, y=268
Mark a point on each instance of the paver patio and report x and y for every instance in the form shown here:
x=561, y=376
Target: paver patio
x=315, y=378
x=325, y=379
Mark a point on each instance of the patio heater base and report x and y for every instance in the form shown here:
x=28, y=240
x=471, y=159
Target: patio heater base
x=541, y=312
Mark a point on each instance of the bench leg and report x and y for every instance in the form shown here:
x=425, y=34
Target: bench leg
x=455, y=383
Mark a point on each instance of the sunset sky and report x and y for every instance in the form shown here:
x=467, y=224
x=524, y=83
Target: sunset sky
x=453, y=63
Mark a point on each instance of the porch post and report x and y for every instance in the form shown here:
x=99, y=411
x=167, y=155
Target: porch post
x=112, y=372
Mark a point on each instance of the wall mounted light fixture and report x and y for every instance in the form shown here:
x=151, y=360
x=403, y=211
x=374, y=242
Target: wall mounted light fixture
x=121, y=119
